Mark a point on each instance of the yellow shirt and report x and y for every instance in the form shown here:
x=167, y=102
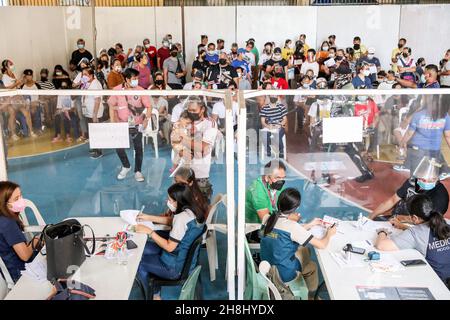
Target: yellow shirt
x=305, y=49
x=395, y=52
x=359, y=53
x=286, y=53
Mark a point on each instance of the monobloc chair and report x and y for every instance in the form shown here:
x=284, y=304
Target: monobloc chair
x=188, y=290
x=160, y=282
x=152, y=131
x=6, y=281
x=30, y=229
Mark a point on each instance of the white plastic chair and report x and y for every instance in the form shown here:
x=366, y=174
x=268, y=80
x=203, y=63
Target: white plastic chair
x=152, y=131
x=401, y=113
x=6, y=282
x=40, y=221
x=264, y=268
x=263, y=147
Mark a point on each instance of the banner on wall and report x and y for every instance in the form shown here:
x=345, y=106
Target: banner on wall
x=109, y=136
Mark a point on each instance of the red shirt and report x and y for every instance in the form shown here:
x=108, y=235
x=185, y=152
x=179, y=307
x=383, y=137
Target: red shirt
x=367, y=111
x=151, y=51
x=281, y=83
x=163, y=54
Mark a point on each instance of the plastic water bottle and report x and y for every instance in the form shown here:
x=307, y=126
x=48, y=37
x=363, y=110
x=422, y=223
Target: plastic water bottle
x=360, y=221
x=122, y=256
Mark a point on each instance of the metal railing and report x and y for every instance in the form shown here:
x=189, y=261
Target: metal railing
x=172, y=3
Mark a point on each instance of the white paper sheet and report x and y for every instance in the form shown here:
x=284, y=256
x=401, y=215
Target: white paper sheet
x=129, y=216
x=109, y=136
x=342, y=129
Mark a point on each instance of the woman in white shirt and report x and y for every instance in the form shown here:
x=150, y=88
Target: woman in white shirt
x=17, y=103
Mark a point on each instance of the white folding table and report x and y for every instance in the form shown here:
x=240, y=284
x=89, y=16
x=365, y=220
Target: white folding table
x=341, y=282
x=110, y=280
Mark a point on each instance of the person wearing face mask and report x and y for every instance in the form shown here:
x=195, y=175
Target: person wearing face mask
x=211, y=54
x=359, y=49
x=60, y=75
x=288, y=49
x=322, y=54
x=91, y=106
x=278, y=79
x=80, y=53
x=424, y=181
x=388, y=82
x=174, y=69
x=445, y=71
x=329, y=65
x=131, y=109
x=429, y=234
x=362, y=79
x=240, y=62
x=161, y=104
x=15, y=251
x=164, y=255
x=115, y=77
x=302, y=39
x=163, y=53
x=406, y=66
x=273, y=121
x=420, y=66
x=48, y=102
x=186, y=175
x=33, y=104
x=262, y=194
x=145, y=76
x=396, y=53
x=373, y=63
x=284, y=240
x=151, y=53
x=428, y=80
x=200, y=63
x=310, y=64
x=332, y=41
x=276, y=62
x=220, y=75
x=244, y=82
x=233, y=52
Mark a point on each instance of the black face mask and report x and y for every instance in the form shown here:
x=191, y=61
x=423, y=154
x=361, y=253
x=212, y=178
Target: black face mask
x=44, y=78
x=194, y=116
x=174, y=54
x=159, y=82
x=279, y=75
x=356, y=46
x=223, y=61
x=399, y=45
x=277, y=185
x=273, y=99
x=405, y=55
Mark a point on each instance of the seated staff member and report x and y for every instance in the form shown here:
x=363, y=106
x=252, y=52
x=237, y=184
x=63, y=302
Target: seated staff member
x=262, y=194
x=424, y=181
x=163, y=257
x=130, y=109
x=282, y=236
x=14, y=249
x=186, y=176
x=430, y=235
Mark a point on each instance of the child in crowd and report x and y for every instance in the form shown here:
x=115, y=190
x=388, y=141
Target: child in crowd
x=65, y=111
x=180, y=131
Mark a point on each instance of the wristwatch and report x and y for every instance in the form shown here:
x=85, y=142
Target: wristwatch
x=382, y=231
x=150, y=234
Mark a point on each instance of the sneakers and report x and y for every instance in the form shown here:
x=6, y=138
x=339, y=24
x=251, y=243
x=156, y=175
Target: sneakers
x=139, y=177
x=15, y=137
x=444, y=176
x=123, y=173
x=400, y=168
x=366, y=176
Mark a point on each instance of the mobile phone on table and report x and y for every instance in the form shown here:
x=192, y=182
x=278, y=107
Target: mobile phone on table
x=414, y=262
x=131, y=244
x=353, y=249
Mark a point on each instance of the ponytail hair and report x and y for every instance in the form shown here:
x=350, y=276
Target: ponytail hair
x=288, y=200
x=421, y=206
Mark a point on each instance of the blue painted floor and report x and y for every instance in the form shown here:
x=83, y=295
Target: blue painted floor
x=69, y=184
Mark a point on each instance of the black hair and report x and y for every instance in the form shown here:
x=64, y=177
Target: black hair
x=189, y=175
x=420, y=60
x=312, y=50
x=382, y=73
x=288, y=200
x=5, y=65
x=432, y=67
x=182, y=194
x=422, y=206
x=392, y=72
x=268, y=44
x=203, y=36
x=220, y=41
x=130, y=72
x=408, y=49
x=211, y=44
x=350, y=51
x=119, y=45
x=402, y=39
x=89, y=70
x=26, y=71
x=232, y=84
x=356, y=38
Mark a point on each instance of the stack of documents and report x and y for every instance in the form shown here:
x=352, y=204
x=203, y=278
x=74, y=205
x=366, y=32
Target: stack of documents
x=36, y=270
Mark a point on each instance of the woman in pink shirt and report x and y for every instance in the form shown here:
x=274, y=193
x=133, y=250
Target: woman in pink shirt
x=145, y=77
x=130, y=109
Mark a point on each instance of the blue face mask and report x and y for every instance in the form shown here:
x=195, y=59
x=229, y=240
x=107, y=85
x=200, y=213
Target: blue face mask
x=426, y=185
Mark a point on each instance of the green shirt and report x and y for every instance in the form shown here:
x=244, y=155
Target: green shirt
x=257, y=198
x=256, y=53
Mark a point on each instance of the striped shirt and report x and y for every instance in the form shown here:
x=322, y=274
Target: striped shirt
x=273, y=114
x=46, y=85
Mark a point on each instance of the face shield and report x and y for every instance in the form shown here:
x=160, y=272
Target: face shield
x=427, y=172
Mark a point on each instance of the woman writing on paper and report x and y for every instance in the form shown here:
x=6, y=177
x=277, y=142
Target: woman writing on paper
x=284, y=240
x=430, y=235
x=164, y=257
x=14, y=249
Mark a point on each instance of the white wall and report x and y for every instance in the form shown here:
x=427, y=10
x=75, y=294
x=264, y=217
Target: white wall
x=42, y=36
x=216, y=22
x=426, y=29
x=376, y=25
x=36, y=37
x=276, y=24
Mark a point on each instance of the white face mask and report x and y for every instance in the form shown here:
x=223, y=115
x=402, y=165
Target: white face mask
x=171, y=206
x=331, y=55
x=370, y=56
x=325, y=48
x=118, y=69
x=147, y=45
x=367, y=73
